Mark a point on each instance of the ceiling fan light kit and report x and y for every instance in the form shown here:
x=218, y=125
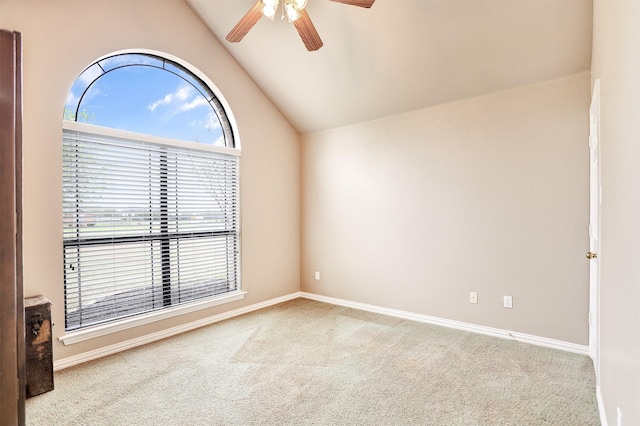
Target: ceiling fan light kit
x=292, y=11
x=295, y=12
x=292, y=8
x=269, y=8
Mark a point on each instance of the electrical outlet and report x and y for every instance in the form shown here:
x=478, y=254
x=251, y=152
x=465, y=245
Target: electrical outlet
x=508, y=302
x=473, y=297
x=317, y=275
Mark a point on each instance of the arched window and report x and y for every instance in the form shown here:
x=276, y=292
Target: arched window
x=148, y=94
x=150, y=193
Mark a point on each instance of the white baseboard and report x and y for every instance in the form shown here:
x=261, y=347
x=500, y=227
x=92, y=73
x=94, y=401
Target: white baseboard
x=149, y=338
x=603, y=413
x=496, y=332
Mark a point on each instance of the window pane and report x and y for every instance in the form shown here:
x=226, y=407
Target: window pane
x=203, y=269
x=187, y=76
x=147, y=223
x=104, y=283
x=149, y=95
x=154, y=102
x=117, y=61
x=77, y=92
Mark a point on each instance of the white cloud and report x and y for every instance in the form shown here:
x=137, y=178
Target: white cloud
x=212, y=122
x=219, y=141
x=180, y=95
x=199, y=101
x=186, y=99
x=72, y=99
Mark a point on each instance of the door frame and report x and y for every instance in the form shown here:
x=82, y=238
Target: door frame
x=12, y=329
x=595, y=201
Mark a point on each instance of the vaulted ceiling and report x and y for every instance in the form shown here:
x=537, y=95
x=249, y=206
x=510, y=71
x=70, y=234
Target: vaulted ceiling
x=403, y=55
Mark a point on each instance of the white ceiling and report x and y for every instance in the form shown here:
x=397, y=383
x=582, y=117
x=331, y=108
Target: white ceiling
x=403, y=55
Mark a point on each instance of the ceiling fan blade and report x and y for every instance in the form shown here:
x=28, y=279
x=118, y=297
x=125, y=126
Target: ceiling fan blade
x=361, y=3
x=307, y=31
x=245, y=24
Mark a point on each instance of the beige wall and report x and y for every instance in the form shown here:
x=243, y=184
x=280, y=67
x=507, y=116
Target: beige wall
x=616, y=62
x=410, y=212
x=489, y=194
x=60, y=39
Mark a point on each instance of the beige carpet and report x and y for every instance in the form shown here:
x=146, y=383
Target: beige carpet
x=309, y=363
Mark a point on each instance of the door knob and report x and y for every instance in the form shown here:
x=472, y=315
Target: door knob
x=591, y=255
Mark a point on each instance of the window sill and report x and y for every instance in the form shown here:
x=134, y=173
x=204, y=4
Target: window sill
x=127, y=323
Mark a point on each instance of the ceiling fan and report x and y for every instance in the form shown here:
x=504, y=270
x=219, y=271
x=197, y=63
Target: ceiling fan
x=295, y=12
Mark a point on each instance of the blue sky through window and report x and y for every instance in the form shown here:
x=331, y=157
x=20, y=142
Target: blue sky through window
x=148, y=100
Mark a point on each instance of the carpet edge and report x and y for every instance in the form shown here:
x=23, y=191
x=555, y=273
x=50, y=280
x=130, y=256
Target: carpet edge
x=458, y=325
x=162, y=334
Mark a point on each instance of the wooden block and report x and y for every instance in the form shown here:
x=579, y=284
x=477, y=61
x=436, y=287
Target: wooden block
x=39, y=346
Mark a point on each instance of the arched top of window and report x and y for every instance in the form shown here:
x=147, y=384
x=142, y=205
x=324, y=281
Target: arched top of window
x=146, y=93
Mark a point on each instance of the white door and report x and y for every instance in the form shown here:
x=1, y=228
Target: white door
x=594, y=229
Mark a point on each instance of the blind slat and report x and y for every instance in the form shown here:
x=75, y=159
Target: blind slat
x=146, y=226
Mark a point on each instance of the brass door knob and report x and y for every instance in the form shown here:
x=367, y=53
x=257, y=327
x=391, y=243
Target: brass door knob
x=591, y=255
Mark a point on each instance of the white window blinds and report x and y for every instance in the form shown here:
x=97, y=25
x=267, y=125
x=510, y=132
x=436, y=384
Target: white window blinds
x=148, y=224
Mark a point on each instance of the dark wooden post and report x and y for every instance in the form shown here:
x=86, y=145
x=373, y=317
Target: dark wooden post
x=12, y=328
